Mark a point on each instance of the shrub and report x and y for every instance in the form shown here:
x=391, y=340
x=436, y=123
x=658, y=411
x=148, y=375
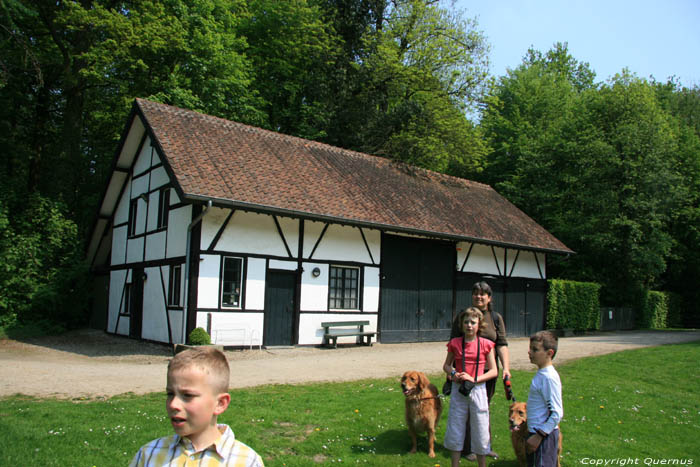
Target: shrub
x=199, y=336
x=660, y=310
x=573, y=305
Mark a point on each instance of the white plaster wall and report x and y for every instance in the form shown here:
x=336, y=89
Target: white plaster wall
x=134, y=250
x=311, y=332
x=342, y=243
x=123, y=328
x=526, y=266
x=208, y=295
x=285, y=265
x=154, y=322
x=235, y=329
x=143, y=160
x=121, y=214
x=178, y=220
x=155, y=245
x=159, y=176
x=314, y=290
x=116, y=289
x=370, y=299
x=255, y=233
x=211, y=223
x=255, y=284
x=312, y=230
x=119, y=245
x=175, y=317
x=481, y=259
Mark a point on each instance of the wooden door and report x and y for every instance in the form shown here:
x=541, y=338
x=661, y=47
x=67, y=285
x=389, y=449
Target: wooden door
x=278, y=328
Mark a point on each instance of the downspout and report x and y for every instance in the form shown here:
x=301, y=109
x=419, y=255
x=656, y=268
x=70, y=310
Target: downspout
x=185, y=306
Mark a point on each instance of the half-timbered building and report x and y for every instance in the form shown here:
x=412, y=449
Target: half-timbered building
x=259, y=237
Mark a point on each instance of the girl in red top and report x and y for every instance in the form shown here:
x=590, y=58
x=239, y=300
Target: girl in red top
x=462, y=351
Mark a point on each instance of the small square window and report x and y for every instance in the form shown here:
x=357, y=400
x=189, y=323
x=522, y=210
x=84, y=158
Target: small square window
x=344, y=288
x=231, y=282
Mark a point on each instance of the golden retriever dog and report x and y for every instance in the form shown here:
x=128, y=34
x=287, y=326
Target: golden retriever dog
x=517, y=418
x=423, y=407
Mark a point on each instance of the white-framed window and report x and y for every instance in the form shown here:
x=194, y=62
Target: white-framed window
x=344, y=288
x=175, y=285
x=231, y=282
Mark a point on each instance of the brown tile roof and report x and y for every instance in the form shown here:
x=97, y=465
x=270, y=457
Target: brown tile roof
x=239, y=165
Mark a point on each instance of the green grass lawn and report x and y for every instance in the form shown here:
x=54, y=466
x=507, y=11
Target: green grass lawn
x=641, y=405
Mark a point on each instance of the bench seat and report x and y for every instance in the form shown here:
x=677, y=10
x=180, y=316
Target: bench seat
x=333, y=330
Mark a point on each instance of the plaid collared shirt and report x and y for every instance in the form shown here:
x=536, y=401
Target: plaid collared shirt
x=177, y=451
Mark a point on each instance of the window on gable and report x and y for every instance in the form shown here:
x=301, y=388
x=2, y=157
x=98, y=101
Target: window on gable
x=133, y=212
x=127, y=299
x=231, y=286
x=175, y=285
x=163, y=207
x=344, y=288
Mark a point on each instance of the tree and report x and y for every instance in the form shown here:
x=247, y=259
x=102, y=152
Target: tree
x=594, y=164
x=414, y=72
x=684, y=264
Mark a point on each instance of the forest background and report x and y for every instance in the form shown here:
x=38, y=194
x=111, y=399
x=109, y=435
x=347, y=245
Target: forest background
x=611, y=168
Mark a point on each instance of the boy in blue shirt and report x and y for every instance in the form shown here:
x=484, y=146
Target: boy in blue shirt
x=544, y=404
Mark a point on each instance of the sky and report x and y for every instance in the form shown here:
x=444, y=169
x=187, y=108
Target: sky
x=659, y=38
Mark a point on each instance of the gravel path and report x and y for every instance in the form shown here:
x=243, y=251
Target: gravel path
x=90, y=363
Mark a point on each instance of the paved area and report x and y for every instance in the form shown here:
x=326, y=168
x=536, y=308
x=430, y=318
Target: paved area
x=91, y=363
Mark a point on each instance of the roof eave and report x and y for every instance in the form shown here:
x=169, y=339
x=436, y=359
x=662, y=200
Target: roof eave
x=266, y=209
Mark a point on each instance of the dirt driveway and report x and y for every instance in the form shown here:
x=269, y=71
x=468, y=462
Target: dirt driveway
x=90, y=363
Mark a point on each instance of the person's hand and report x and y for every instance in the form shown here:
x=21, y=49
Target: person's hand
x=506, y=373
x=533, y=442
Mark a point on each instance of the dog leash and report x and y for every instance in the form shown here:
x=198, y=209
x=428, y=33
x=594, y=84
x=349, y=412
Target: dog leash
x=509, y=389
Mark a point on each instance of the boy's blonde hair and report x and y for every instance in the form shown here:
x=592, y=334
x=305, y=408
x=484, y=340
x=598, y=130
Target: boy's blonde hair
x=208, y=359
x=549, y=341
x=471, y=312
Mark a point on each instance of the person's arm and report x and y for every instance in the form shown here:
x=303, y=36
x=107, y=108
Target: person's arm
x=502, y=346
x=493, y=370
x=504, y=355
x=453, y=374
x=551, y=391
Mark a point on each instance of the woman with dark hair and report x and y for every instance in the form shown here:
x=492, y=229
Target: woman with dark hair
x=495, y=330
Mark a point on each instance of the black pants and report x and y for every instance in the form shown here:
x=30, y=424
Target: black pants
x=547, y=452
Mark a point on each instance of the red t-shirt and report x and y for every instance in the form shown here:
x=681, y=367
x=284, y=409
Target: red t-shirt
x=455, y=347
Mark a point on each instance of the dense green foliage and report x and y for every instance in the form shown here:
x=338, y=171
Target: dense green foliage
x=612, y=169
x=573, y=305
x=199, y=336
x=612, y=410
x=659, y=310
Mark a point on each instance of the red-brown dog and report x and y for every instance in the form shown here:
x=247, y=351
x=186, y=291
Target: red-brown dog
x=423, y=407
x=517, y=418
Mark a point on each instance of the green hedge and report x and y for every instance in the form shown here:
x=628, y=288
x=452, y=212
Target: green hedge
x=660, y=310
x=573, y=305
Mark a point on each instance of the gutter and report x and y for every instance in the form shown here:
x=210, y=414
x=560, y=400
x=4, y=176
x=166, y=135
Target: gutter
x=185, y=306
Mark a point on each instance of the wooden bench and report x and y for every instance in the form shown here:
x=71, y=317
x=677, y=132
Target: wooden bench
x=332, y=331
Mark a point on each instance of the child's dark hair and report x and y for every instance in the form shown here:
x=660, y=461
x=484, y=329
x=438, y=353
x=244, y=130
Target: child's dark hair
x=549, y=340
x=485, y=288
